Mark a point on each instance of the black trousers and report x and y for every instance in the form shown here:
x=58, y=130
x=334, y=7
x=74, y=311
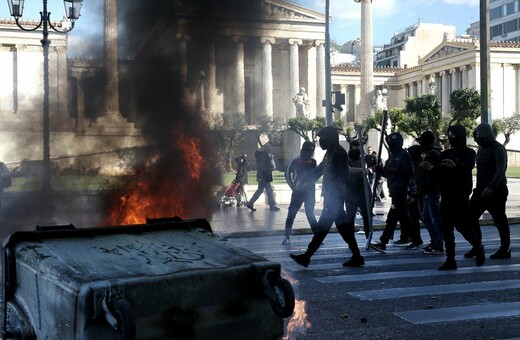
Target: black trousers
x=397, y=213
x=298, y=198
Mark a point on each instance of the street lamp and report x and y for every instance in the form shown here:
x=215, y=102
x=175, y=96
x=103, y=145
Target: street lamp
x=72, y=12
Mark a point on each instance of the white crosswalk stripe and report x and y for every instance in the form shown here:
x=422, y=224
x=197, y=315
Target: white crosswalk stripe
x=402, y=273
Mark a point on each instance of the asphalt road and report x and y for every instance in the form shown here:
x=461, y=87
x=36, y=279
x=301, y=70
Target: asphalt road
x=400, y=294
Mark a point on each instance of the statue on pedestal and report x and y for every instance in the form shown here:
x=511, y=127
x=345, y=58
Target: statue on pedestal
x=302, y=103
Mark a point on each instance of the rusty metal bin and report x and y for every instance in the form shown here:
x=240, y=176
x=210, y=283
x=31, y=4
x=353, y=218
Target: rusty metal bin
x=161, y=280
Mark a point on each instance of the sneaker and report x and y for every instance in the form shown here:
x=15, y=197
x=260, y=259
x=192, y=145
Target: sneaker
x=355, y=261
x=501, y=254
x=448, y=265
x=286, y=242
x=471, y=253
x=414, y=245
x=250, y=206
x=480, y=256
x=302, y=259
x=378, y=246
x=274, y=208
x=402, y=243
x=432, y=251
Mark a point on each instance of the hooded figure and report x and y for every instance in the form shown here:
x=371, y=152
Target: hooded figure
x=297, y=169
x=335, y=171
x=456, y=182
x=398, y=170
x=491, y=189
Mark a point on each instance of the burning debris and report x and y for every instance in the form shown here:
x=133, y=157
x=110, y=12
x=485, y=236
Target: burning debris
x=298, y=324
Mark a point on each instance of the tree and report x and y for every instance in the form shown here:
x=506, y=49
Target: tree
x=507, y=126
x=271, y=127
x=229, y=131
x=465, y=108
x=303, y=126
x=424, y=113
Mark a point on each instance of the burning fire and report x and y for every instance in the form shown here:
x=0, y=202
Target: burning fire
x=166, y=186
x=298, y=324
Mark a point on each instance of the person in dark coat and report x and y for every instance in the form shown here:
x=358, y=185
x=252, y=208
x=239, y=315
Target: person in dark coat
x=427, y=181
x=264, y=176
x=356, y=198
x=298, y=168
x=456, y=182
x=491, y=190
x=335, y=171
x=398, y=170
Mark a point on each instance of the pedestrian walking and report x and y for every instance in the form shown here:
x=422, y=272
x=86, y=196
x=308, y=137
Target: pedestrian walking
x=491, y=190
x=456, y=183
x=335, y=171
x=428, y=190
x=412, y=238
x=356, y=198
x=398, y=171
x=265, y=164
x=298, y=168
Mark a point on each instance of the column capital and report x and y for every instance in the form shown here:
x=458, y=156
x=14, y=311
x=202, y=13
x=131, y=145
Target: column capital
x=463, y=68
x=295, y=41
x=442, y=73
x=267, y=40
x=453, y=70
x=239, y=39
x=319, y=43
x=183, y=36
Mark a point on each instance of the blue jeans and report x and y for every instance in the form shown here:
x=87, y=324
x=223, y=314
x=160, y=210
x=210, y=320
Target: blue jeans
x=431, y=218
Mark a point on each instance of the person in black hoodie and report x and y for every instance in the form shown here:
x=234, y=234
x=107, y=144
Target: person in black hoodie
x=398, y=170
x=427, y=181
x=297, y=168
x=491, y=190
x=336, y=176
x=456, y=182
x=264, y=175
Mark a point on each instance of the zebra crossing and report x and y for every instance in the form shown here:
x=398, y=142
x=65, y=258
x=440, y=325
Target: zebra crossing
x=405, y=285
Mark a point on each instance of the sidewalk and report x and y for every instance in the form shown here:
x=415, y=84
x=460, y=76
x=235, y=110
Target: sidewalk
x=240, y=221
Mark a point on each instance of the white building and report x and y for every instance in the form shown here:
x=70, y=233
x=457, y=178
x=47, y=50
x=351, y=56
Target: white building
x=504, y=20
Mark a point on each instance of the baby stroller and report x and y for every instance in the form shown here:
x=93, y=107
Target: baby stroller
x=234, y=193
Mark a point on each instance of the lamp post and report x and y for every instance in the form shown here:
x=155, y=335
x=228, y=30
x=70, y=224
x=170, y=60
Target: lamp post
x=72, y=12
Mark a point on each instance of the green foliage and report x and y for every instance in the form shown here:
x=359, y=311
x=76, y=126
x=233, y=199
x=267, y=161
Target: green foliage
x=303, y=126
x=228, y=132
x=465, y=108
x=424, y=113
x=507, y=126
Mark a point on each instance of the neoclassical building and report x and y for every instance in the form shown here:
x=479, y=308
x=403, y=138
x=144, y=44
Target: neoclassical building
x=231, y=55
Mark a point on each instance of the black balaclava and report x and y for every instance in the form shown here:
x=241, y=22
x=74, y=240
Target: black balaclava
x=395, y=142
x=354, y=153
x=426, y=139
x=485, y=134
x=458, y=138
x=307, y=150
x=415, y=152
x=329, y=137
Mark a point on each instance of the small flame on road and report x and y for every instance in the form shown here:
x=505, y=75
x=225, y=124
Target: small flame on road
x=298, y=324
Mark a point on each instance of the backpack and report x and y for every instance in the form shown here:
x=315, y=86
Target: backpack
x=5, y=176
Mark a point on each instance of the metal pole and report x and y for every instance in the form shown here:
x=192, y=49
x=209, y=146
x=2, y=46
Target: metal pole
x=485, y=109
x=46, y=208
x=328, y=82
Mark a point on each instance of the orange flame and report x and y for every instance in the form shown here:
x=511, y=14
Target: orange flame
x=298, y=324
x=159, y=192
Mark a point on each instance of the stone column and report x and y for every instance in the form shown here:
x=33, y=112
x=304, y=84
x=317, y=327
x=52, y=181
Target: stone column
x=267, y=75
x=239, y=74
x=111, y=58
x=81, y=119
x=211, y=80
x=517, y=88
x=183, y=52
x=63, y=97
x=367, y=59
x=320, y=70
x=454, y=75
x=294, y=69
x=444, y=91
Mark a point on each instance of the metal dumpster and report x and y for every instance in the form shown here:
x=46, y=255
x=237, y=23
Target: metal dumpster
x=166, y=279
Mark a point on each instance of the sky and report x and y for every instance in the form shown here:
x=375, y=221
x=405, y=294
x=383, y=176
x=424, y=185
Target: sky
x=388, y=16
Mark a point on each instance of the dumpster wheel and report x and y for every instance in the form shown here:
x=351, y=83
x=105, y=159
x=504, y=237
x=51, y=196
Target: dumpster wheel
x=124, y=314
x=281, y=294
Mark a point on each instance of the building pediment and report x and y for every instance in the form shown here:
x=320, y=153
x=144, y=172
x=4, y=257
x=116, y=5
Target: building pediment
x=277, y=10
x=448, y=48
